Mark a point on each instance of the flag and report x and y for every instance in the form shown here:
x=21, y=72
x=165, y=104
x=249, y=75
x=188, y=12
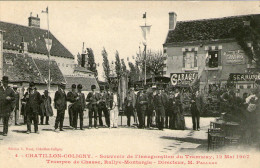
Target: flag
x=48, y=44
x=145, y=33
x=46, y=11
x=144, y=15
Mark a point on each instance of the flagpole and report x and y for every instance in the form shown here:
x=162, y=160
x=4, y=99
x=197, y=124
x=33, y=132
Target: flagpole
x=145, y=63
x=49, y=77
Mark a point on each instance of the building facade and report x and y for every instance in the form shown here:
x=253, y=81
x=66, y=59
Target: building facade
x=208, y=49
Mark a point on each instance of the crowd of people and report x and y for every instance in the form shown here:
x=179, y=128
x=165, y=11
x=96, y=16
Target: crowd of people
x=149, y=107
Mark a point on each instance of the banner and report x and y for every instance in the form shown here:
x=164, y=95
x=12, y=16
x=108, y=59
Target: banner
x=145, y=33
x=183, y=78
x=48, y=44
x=244, y=77
x=234, y=57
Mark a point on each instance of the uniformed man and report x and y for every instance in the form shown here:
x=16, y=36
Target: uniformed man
x=103, y=106
x=7, y=96
x=79, y=107
x=130, y=103
x=141, y=107
x=160, y=100
x=150, y=108
x=71, y=97
x=60, y=103
x=93, y=98
x=32, y=108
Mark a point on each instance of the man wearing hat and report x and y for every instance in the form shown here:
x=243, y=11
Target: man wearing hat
x=32, y=108
x=130, y=102
x=141, y=107
x=71, y=97
x=79, y=107
x=160, y=101
x=103, y=106
x=93, y=98
x=60, y=103
x=7, y=96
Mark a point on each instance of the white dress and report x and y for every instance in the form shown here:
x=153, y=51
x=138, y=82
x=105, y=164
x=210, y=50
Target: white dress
x=114, y=113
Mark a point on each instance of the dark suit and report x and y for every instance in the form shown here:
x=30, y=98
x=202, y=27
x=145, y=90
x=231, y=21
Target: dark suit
x=79, y=107
x=103, y=107
x=93, y=107
x=60, y=103
x=195, y=111
x=71, y=97
x=6, y=105
x=141, y=106
x=32, y=108
x=160, y=102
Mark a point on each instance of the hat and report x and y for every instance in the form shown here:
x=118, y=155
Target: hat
x=14, y=86
x=154, y=87
x=73, y=86
x=93, y=87
x=62, y=84
x=46, y=91
x=31, y=84
x=79, y=86
x=5, y=79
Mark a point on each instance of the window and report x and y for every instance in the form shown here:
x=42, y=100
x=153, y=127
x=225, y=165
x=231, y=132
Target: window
x=213, y=59
x=189, y=59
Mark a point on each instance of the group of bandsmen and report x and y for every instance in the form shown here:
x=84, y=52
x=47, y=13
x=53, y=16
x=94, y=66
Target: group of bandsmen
x=150, y=107
x=160, y=108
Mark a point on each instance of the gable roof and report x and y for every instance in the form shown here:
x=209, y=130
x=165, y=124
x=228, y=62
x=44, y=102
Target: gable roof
x=208, y=29
x=14, y=34
x=23, y=68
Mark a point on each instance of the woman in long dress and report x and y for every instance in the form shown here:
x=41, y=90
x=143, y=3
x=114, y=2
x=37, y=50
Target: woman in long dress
x=46, y=109
x=179, y=118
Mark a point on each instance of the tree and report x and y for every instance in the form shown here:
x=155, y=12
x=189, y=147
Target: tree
x=133, y=74
x=106, y=65
x=118, y=66
x=245, y=34
x=154, y=62
x=79, y=59
x=124, y=69
x=92, y=66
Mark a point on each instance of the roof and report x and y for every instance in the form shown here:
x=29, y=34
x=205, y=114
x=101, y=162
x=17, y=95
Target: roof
x=35, y=37
x=86, y=82
x=82, y=69
x=56, y=74
x=23, y=68
x=208, y=29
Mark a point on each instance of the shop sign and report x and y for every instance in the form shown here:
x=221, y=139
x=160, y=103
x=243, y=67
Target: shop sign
x=234, y=57
x=182, y=78
x=244, y=77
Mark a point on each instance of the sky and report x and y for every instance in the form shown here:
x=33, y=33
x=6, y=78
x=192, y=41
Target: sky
x=116, y=25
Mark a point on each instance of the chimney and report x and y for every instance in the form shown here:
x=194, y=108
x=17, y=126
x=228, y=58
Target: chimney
x=172, y=20
x=34, y=21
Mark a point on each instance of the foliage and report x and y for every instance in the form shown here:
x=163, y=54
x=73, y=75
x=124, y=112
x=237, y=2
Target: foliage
x=249, y=34
x=118, y=66
x=154, y=62
x=106, y=66
x=124, y=69
x=91, y=62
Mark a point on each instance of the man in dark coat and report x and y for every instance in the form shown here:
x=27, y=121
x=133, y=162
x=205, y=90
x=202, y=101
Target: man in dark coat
x=46, y=109
x=71, y=97
x=130, y=102
x=196, y=103
x=160, y=101
x=141, y=106
x=60, y=103
x=93, y=98
x=32, y=108
x=103, y=106
x=7, y=96
x=79, y=107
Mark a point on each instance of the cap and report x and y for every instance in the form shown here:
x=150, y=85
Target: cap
x=79, y=86
x=93, y=87
x=5, y=79
x=73, y=86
